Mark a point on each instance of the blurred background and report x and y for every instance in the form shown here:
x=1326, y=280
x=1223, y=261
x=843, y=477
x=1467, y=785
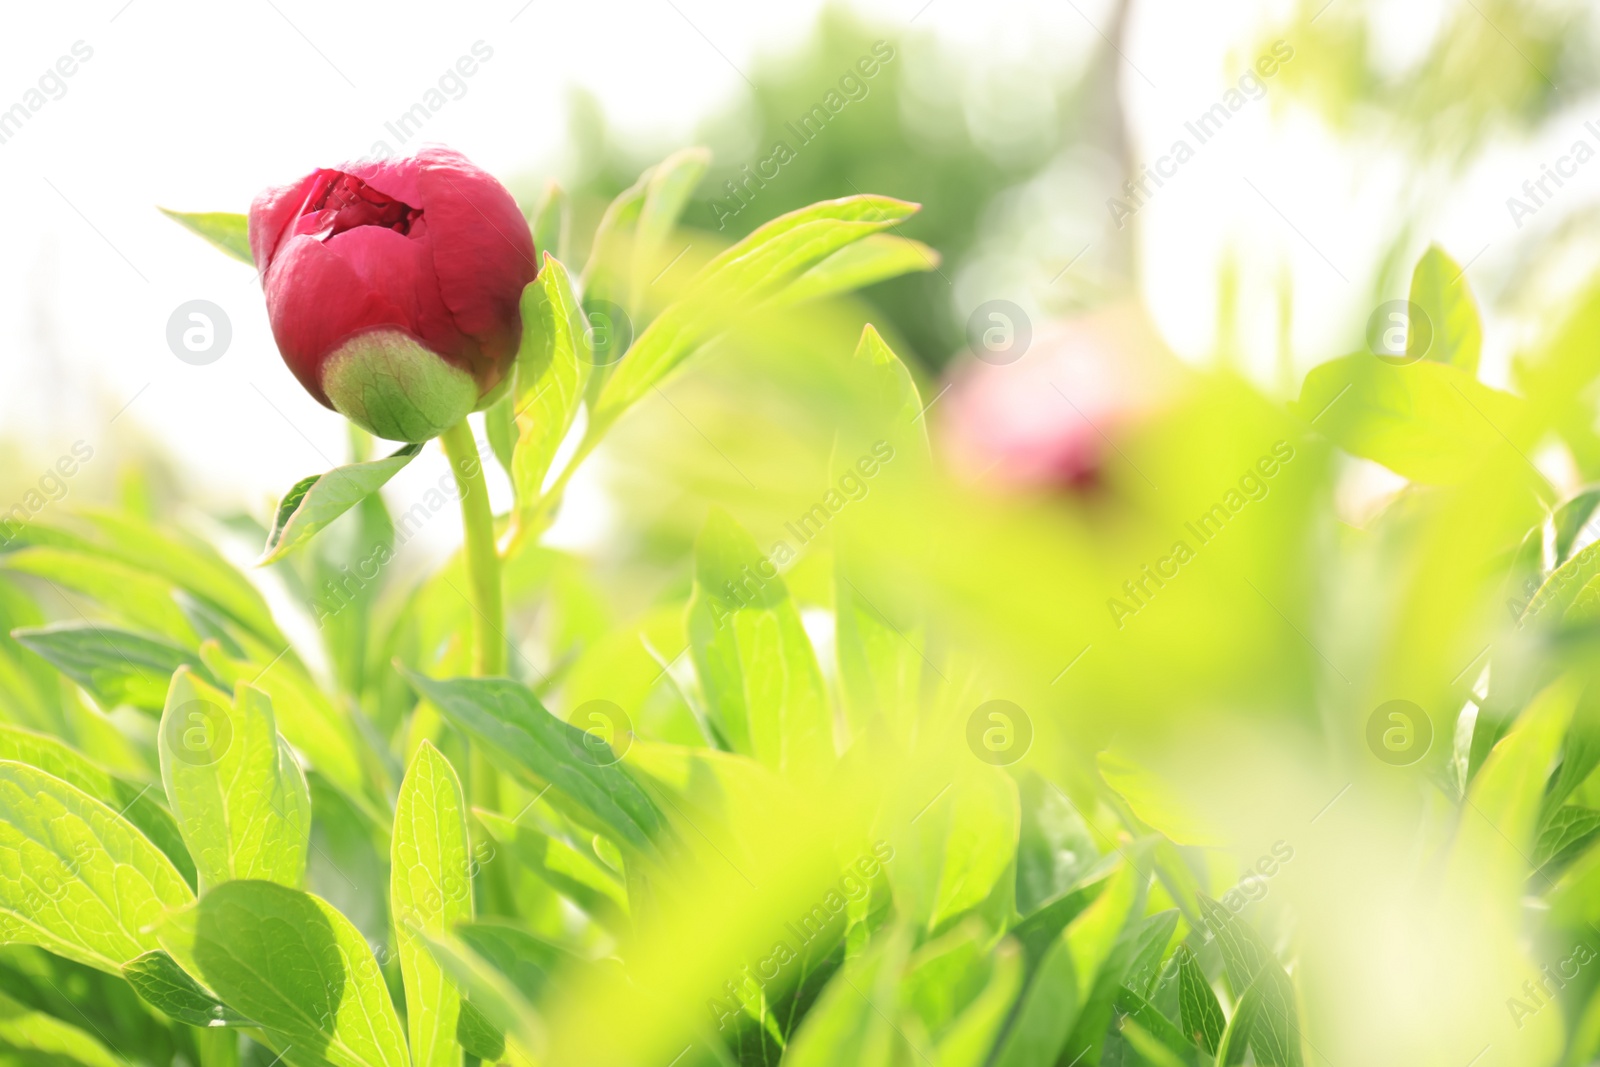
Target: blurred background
x=1017, y=122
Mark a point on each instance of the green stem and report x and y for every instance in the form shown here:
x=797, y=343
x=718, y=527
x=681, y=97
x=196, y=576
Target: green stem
x=483, y=574
x=483, y=560
x=218, y=1046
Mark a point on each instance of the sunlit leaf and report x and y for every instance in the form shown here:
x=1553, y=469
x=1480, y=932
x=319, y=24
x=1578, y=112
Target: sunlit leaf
x=430, y=888
x=224, y=230
x=292, y=963
x=315, y=501
x=76, y=878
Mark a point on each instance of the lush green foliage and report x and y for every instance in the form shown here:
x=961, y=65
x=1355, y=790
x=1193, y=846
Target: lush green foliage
x=904, y=792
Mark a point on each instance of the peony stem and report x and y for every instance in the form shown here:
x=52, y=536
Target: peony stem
x=483, y=573
x=483, y=562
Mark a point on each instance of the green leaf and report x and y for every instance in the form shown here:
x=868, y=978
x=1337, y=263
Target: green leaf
x=1155, y=933
x=738, y=280
x=305, y=717
x=117, y=667
x=239, y=797
x=523, y=739
x=526, y=961
x=500, y=427
x=1499, y=827
x=666, y=194
x=290, y=962
x=1156, y=1026
x=42, y=1040
x=76, y=878
x=551, y=220
x=1439, y=288
x=553, y=366
x=189, y=563
x=491, y=996
x=981, y=821
x=316, y=501
x=606, y=273
x=1065, y=977
x=480, y=1037
x=225, y=230
x=164, y=985
x=579, y=878
x=430, y=888
x=853, y=1020
x=764, y=691
x=1430, y=422
x=1152, y=1050
x=1568, y=830
x=1271, y=1028
x=1560, y=590
x=139, y=804
x=869, y=261
x=1199, y=1014
x=141, y=599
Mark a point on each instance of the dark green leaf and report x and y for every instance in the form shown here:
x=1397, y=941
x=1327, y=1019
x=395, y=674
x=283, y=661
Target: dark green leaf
x=524, y=739
x=1200, y=1016
x=117, y=667
x=166, y=986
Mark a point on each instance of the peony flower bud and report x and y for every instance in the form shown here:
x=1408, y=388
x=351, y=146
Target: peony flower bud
x=1048, y=420
x=393, y=287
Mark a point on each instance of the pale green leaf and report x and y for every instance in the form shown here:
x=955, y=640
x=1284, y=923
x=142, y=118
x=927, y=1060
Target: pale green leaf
x=225, y=230
x=553, y=367
x=1062, y=983
x=76, y=878
x=739, y=280
x=667, y=193
x=139, y=804
x=430, y=889
x=315, y=501
x=141, y=599
x=550, y=221
x=578, y=877
x=292, y=963
x=241, y=802
x=1430, y=422
x=763, y=687
x=42, y=1040
x=1439, y=288
x=871, y=260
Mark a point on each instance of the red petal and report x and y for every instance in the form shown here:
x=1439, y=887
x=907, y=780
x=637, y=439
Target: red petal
x=316, y=300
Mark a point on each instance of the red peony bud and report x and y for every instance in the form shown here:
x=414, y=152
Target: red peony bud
x=393, y=287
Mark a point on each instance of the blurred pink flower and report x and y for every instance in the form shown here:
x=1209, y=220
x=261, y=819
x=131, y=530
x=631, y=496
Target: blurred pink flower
x=1051, y=418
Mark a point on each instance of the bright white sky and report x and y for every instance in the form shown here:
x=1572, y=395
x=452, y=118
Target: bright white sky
x=197, y=105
